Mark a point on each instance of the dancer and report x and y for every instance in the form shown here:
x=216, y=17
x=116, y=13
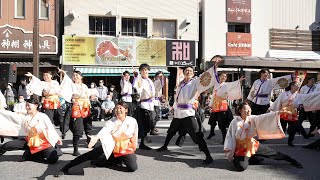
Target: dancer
x=240, y=146
x=119, y=140
x=158, y=85
x=310, y=115
x=289, y=114
x=184, y=113
x=126, y=91
x=41, y=136
x=145, y=88
x=75, y=92
x=261, y=90
x=49, y=89
x=220, y=111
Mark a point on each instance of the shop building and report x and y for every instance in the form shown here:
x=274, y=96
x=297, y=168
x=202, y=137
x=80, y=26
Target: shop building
x=103, y=38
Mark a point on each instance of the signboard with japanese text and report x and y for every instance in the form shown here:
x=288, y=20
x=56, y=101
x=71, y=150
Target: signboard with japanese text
x=239, y=11
x=180, y=53
x=113, y=51
x=239, y=44
x=17, y=40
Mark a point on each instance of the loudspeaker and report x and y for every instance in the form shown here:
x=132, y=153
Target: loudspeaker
x=8, y=73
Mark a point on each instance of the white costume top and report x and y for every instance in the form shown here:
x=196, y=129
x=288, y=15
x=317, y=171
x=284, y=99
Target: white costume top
x=227, y=90
x=19, y=125
x=310, y=102
x=20, y=108
x=3, y=103
x=266, y=126
x=70, y=90
x=126, y=90
x=260, y=92
x=36, y=86
x=186, y=92
x=158, y=85
x=146, y=90
x=116, y=128
x=308, y=90
x=285, y=99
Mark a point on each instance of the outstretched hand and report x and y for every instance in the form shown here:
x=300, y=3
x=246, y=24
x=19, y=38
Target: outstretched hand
x=28, y=74
x=61, y=71
x=216, y=61
x=93, y=140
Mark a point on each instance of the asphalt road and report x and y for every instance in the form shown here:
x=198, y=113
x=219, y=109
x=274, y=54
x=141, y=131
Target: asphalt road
x=177, y=163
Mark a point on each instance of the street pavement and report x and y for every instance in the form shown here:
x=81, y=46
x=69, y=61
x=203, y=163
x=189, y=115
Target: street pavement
x=177, y=163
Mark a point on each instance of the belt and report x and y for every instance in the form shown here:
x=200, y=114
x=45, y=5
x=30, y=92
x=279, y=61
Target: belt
x=262, y=95
x=126, y=95
x=185, y=106
x=147, y=100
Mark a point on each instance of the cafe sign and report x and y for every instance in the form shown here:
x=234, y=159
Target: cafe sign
x=17, y=40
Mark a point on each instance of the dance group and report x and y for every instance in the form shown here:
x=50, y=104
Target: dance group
x=119, y=137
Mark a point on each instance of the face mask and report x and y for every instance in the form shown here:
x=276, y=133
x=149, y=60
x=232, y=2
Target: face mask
x=111, y=89
x=21, y=100
x=101, y=84
x=92, y=86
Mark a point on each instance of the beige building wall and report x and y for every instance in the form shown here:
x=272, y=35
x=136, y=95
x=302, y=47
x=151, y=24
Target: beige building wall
x=178, y=10
x=266, y=14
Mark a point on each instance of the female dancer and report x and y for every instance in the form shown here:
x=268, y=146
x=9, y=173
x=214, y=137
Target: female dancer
x=242, y=148
x=119, y=140
x=76, y=92
x=220, y=111
x=41, y=136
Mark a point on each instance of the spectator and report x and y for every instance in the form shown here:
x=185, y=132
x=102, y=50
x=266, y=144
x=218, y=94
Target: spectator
x=20, y=107
x=93, y=90
x=107, y=107
x=10, y=94
x=22, y=88
x=114, y=94
x=102, y=90
x=95, y=107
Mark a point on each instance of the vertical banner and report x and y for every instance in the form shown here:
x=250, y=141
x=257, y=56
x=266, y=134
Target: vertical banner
x=239, y=11
x=239, y=44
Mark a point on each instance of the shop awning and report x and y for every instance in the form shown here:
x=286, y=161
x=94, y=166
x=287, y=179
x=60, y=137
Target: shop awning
x=116, y=71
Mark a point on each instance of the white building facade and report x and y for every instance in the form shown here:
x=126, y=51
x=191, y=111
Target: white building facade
x=299, y=15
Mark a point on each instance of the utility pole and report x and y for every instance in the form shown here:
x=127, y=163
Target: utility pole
x=36, y=39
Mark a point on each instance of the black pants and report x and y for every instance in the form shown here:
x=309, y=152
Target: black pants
x=130, y=109
x=87, y=125
x=50, y=154
x=190, y=126
x=242, y=162
x=223, y=119
x=56, y=116
x=259, y=109
x=96, y=155
x=157, y=116
x=75, y=125
x=293, y=127
x=144, y=122
x=311, y=116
